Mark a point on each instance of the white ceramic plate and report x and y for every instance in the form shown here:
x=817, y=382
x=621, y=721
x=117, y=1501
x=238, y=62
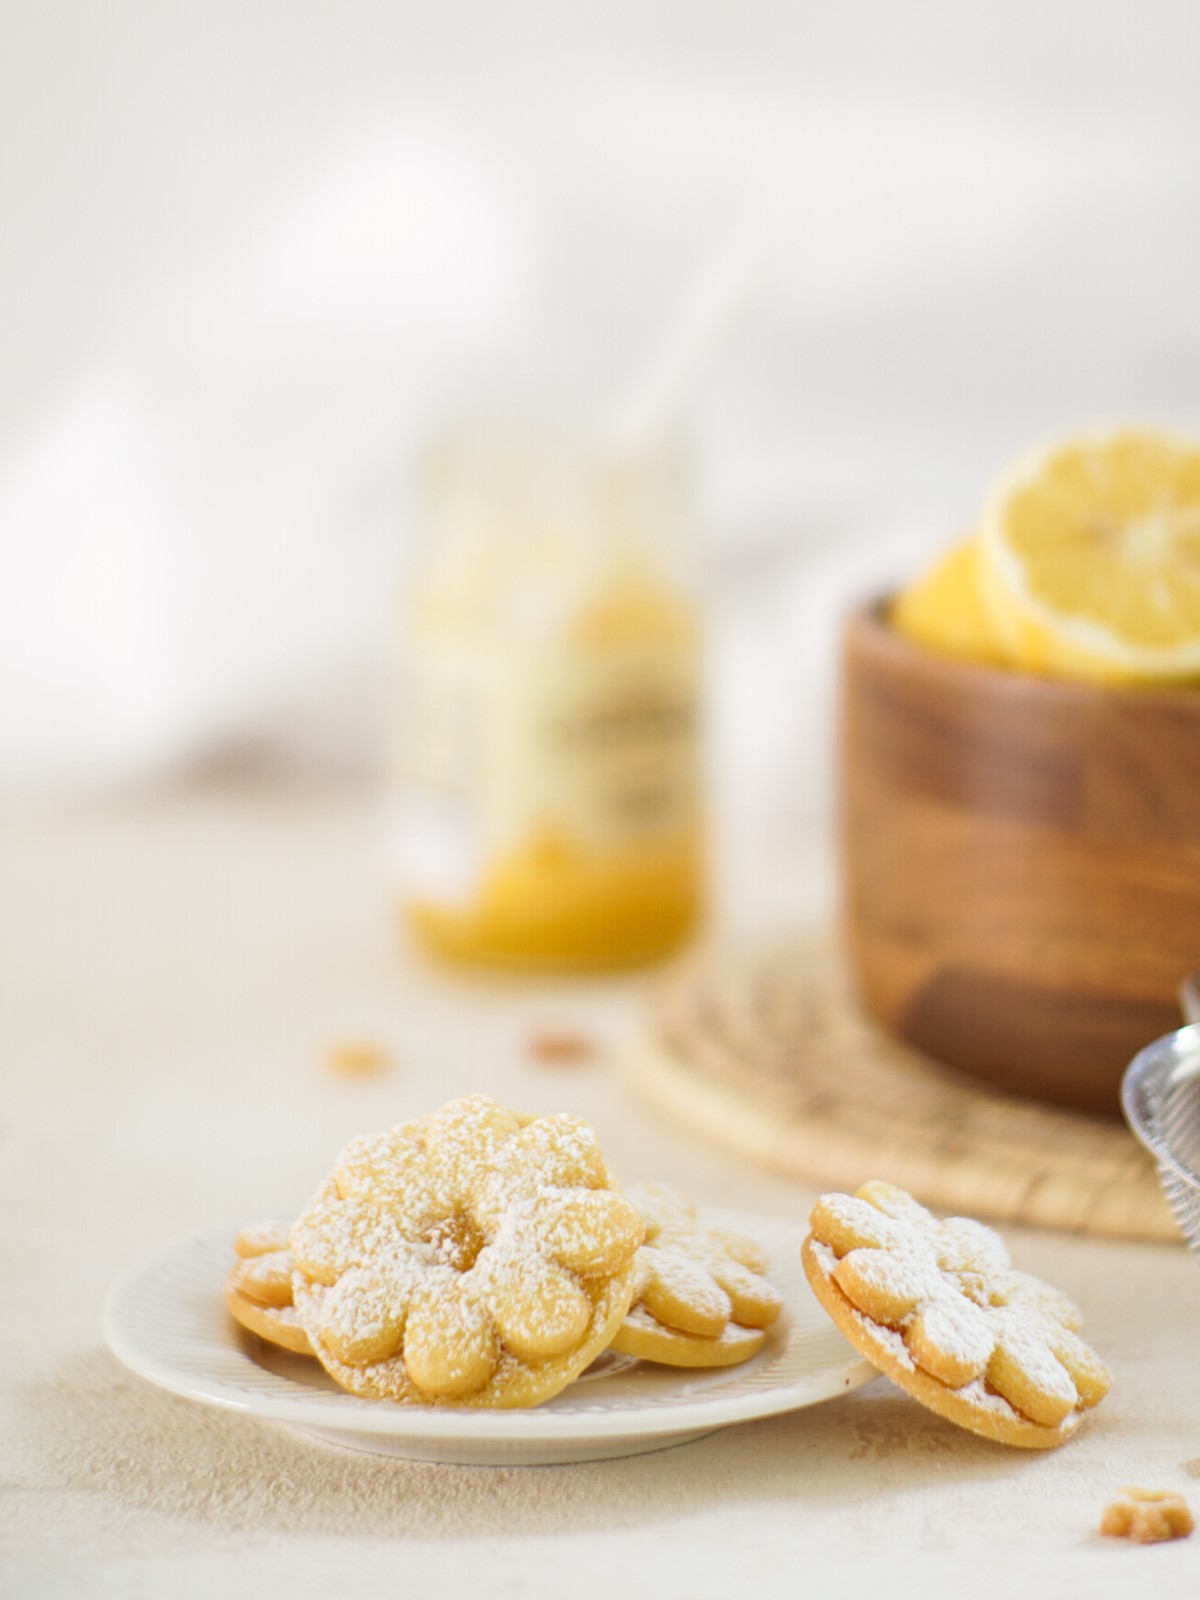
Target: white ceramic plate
x=166, y=1320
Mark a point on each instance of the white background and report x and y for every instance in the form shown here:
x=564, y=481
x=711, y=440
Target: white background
x=252, y=254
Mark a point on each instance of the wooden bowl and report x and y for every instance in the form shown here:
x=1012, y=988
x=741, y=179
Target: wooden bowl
x=1021, y=863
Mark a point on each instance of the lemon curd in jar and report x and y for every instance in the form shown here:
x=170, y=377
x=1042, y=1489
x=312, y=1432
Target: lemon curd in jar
x=546, y=807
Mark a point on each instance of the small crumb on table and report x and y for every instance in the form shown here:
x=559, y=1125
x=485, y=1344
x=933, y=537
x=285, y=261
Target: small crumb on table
x=1147, y=1516
x=559, y=1047
x=355, y=1058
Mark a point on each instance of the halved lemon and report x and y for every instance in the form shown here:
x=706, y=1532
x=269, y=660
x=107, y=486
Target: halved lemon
x=945, y=610
x=1090, y=559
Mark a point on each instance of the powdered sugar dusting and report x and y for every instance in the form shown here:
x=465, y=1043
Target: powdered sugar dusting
x=732, y=1334
x=697, y=1268
x=939, y=1297
x=442, y=1237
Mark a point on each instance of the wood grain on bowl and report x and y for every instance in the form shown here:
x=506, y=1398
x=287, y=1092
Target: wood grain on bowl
x=1021, y=861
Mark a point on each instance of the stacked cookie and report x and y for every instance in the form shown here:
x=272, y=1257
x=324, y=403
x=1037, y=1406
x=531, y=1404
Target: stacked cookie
x=938, y=1307
x=478, y=1257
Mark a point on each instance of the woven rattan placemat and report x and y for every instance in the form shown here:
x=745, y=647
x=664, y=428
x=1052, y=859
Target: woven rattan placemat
x=769, y=1054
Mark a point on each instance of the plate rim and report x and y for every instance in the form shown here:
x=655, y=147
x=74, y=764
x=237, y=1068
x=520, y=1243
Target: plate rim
x=516, y=1425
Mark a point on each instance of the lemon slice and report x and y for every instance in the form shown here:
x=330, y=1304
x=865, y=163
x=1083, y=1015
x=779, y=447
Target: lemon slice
x=1090, y=559
x=945, y=609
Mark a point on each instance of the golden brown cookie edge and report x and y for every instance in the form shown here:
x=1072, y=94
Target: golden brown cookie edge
x=669, y=1347
x=1017, y=1431
x=505, y=1390
x=266, y=1323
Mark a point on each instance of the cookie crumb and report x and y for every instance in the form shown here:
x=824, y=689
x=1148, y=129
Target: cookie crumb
x=355, y=1058
x=1147, y=1516
x=560, y=1047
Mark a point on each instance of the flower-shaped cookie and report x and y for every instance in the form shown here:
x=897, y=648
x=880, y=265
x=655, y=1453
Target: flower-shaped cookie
x=475, y=1257
x=937, y=1307
x=700, y=1298
x=258, y=1290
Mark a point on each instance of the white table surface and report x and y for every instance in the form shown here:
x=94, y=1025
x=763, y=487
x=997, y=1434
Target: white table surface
x=171, y=971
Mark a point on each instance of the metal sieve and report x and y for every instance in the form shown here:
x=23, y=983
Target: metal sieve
x=1160, y=1096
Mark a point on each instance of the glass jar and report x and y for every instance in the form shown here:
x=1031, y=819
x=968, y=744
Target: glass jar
x=546, y=808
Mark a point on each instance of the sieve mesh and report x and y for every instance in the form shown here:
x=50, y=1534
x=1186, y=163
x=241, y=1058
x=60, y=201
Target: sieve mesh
x=1161, y=1100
